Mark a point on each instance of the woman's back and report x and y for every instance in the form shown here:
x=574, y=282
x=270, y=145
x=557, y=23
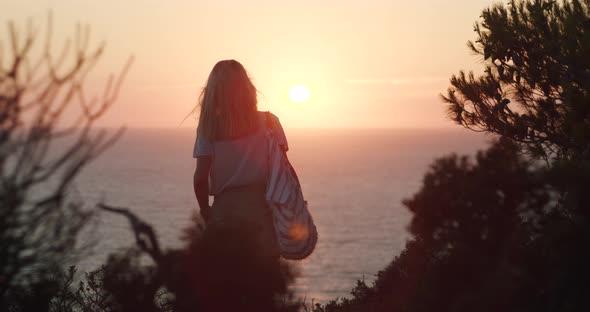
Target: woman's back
x=241, y=161
x=240, y=223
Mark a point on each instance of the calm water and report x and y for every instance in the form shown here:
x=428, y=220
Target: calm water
x=354, y=181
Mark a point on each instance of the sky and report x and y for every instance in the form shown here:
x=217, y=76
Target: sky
x=367, y=64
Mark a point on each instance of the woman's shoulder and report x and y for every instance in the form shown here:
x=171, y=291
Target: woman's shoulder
x=270, y=118
x=273, y=122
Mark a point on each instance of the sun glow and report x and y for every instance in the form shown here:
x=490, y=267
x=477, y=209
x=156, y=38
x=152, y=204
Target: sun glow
x=299, y=94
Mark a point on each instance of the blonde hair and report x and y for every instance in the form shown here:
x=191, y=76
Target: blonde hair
x=228, y=104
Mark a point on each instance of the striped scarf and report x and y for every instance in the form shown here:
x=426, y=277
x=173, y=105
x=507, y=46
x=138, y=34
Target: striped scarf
x=295, y=231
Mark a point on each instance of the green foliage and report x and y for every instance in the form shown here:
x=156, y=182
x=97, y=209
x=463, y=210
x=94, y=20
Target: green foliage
x=213, y=272
x=503, y=233
x=534, y=89
x=467, y=204
x=362, y=300
x=56, y=292
x=489, y=235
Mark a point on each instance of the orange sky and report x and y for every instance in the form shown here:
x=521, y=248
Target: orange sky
x=367, y=63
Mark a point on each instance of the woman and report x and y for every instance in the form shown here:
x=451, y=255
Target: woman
x=231, y=152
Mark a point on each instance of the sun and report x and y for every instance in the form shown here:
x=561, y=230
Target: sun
x=299, y=94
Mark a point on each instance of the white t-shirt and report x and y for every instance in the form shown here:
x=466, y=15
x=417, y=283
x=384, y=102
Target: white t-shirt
x=241, y=161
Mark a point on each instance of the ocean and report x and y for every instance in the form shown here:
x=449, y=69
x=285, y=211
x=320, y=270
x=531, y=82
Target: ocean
x=354, y=179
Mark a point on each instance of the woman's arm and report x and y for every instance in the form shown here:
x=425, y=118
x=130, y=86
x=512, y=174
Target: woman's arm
x=201, y=185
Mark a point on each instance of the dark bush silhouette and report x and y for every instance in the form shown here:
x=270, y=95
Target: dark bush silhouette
x=488, y=236
x=471, y=222
x=508, y=232
x=40, y=157
x=214, y=272
x=234, y=271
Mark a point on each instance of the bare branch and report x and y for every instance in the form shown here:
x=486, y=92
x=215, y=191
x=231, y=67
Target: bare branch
x=34, y=95
x=145, y=237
